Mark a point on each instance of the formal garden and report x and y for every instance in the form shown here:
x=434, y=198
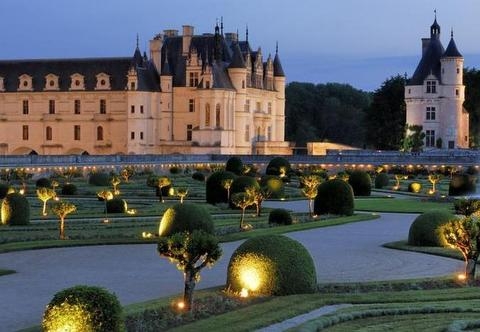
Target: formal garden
x=189, y=210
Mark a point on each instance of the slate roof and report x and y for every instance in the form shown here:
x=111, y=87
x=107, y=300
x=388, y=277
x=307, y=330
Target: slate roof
x=430, y=62
x=452, y=50
x=277, y=67
x=237, y=57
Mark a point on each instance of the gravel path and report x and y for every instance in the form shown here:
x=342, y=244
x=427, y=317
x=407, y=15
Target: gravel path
x=136, y=273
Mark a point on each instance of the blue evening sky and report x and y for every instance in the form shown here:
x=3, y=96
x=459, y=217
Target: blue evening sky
x=360, y=42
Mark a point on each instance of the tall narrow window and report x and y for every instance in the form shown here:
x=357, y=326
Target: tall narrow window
x=141, y=109
x=191, y=105
x=132, y=109
x=269, y=133
x=141, y=135
x=99, y=133
x=259, y=106
x=429, y=138
x=189, y=132
x=25, y=107
x=25, y=133
x=247, y=133
x=217, y=115
x=269, y=109
x=431, y=87
x=247, y=105
x=48, y=133
x=103, y=106
x=76, y=132
x=431, y=113
x=51, y=106
x=76, y=106
x=193, y=79
x=132, y=135
x=207, y=115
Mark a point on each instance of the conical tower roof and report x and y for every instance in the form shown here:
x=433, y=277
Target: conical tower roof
x=237, y=59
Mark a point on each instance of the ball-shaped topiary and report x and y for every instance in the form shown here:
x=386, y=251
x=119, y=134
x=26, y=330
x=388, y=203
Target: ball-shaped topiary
x=99, y=179
x=83, y=308
x=175, y=170
x=280, y=217
x=234, y=165
x=415, y=187
x=334, y=197
x=381, y=180
x=274, y=185
x=117, y=205
x=215, y=191
x=462, y=184
x=272, y=265
x=185, y=217
x=198, y=176
x=15, y=210
x=43, y=183
x=242, y=182
x=361, y=183
x=69, y=189
x=278, y=166
x=4, y=187
x=426, y=229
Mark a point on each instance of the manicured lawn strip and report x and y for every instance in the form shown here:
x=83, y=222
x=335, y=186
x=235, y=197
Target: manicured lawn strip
x=438, y=251
x=5, y=272
x=400, y=205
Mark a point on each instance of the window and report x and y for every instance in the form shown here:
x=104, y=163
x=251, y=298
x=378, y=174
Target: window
x=141, y=135
x=259, y=106
x=51, y=106
x=132, y=135
x=247, y=105
x=132, y=109
x=247, y=133
x=430, y=138
x=431, y=113
x=269, y=109
x=194, y=79
x=189, y=132
x=141, y=109
x=99, y=133
x=243, y=84
x=77, y=82
x=103, y=82
x=458, y=70
x=48, y=133
x=207, y=115
x=431, y=87
x=76, y=106
x=25, y=107
x=25, y=133
x=269, y=133
x=103, y=106
x=457, y=92
x=207, y=85
x=76, y=132
x=217, y=115
x=132, y=85
x=191, y=105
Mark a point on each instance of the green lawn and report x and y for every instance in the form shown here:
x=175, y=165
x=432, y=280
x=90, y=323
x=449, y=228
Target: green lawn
x=401, y=205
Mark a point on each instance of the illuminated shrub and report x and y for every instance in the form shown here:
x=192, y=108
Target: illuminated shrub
x=43, y=183
x=185, y=217
x=426, y=229
x=234, y=165
x=199, y=176
x=462, y=184
x=381, y=180
x=83, y=308
x=334, y=197
x=215, y=191
x=117, y=205
x=466, y=206
x=278, y=166
x=242, y=182
x=271, y=265
x=15, y=210
x=274, y=185
x=414, y=187
x=361, y=183
x=280, y=217
x=99, y=179
x=69, y=189
x=4, y=189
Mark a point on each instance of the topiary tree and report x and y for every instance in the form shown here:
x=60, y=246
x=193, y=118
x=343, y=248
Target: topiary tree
x=116, y=205
x=115, y=181
x=181, y=193
x=69, y=189
x=185, y=217
x=426, y=229
x=163, y=182
x=466, y=207
x=99, y=179
x=215, y=191
x=15, y=210
x=45, y=194
x=334, y=196
x=310, y=185
x=398, y=178
x=43, y=183
x=414, y=187
x=271, y=265
x=227, y=184
x=462, y=184
x=278, y=166
x=62, y=209
x=257, y=195
x=83, y=308
x=105, y=195
x=242, y=200
x=280, y=217
x=241, y=183
x=199, y=176
x=234, y=165
x=381, y=180
x=274, y=185
x=127, y=172
x=434, y=179
x=361, y=183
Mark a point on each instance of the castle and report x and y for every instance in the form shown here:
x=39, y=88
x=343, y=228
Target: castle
x=435, y=93
x=194, y=94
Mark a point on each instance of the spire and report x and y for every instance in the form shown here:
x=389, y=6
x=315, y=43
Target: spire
x=218, y=46
x=137, y=59
x=276, y=48
x=452, y=50
x=137, y=40
x=435, y=28
x=237, y=58
x=166, y=71
x=246, y=35
x=277, y=65
x=221, y=25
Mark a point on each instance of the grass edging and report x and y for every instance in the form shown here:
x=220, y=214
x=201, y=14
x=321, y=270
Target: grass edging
x=437, y=251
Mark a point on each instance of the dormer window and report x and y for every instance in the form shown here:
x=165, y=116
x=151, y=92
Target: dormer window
x=25, y=83
x=51, y=82
x=431, y=86
x=2, y=86
x=77, y=82
x=193, y=79
x=103, y=82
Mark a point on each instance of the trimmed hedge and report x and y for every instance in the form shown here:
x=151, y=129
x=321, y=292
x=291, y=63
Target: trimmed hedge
x=15, y=210
x=43, y=183
x=334, y=197
x=99, y=179
x=274, y=185
x=234, y=165
x=361, y=183
x=275, y=165
x=69, y=189
x=215, y=192
x=381, y=180
x=117, y=205
x=84, y=308
x=185, y=217
x=280, y=217
x=282, y=266
x=426, y=229
x=462, y=184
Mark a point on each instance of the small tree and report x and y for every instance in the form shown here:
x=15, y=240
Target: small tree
x=45, y=194
x=163, y=181
x=127, y=172
x=106, y=195
x=22, y=175
x=227, y=184
x=62, y=209
x=414, y=137
x=182, y=193
x=398, y=177
x=464, y=235
x=242, y=201
x=54, y=185
x=191, y=252
x=310, y=189
x=115, y=181
x=257, y=196
x=434, y=179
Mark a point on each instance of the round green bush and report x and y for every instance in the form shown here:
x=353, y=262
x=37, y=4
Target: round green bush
x=280, y=217
x=361, y=183
x=117, y=205
x=15, y=210
x=4, y=187
x=175, y=170
x=242, y=182
x=234, y=165
x=99, y=179
x=185, y=217
x=462, y=184
x=69, y=189
x=426, y=229
x=43, y=183
x=83, y=308
x=414, y=187
x=215, y=192
x=274, y=185
x=334, y=197
x=198, y=176
x=382, y=180
x=278, y=166
x=271, y=265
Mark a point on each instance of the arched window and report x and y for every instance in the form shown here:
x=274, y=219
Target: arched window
x=99, y=133
x=207, y=115
x=217, y=115
x=48, y=133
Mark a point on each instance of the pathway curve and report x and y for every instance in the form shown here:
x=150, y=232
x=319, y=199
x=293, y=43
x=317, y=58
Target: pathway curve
x=136, y=273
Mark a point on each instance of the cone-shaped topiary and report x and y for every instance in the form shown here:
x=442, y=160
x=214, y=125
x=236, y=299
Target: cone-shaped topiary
x=381, y=180
x=15, y=210
x=426, y=229
x=83, y=308
x=278, y=166
x=234, y=165
x=361, y=183
x=280, y=217
x=271, y=265
x=462, y=184
x=334, y=197
x=116, y=205
x=215, y=191
x=185, y=217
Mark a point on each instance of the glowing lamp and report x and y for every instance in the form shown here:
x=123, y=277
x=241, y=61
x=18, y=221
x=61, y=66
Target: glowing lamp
x=244, y=293
x=181, y=305
x=461, y=276
x=250, y=278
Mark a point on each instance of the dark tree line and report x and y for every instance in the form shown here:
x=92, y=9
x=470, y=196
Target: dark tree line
x=471, y=79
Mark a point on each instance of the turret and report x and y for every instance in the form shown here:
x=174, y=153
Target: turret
x=237, y=69
x=278, y=73
x=166, y=78
x=452, y=64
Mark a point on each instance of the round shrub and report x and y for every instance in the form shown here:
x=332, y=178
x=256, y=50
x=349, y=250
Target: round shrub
x=242, y=182
x=272, y=265
x=199, y=176
x=215, y=192
x=43, y=183
x=99, y=179
x=462, y=184
x=278, y=166
x=381, y=180
x=426, y=229
x=274, y=185
x=15, y=210
x=117, y=205
x=185, y=217
x=83, y=308
x=334, y=197
x=414, y=187
x=280, y=217
x=175, y=170
x=69, y=189
x=4, y=187
x=234, y=165
x=361, y=183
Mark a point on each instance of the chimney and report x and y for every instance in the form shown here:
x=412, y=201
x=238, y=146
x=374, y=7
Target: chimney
x=231, y=37
x=170, y=33
x=156, y=52
x=186, y=38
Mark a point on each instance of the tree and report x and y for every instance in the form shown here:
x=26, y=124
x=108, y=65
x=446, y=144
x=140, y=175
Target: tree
x=115, y=181
x=127, y=172
x=227, y=184
x=182, y=193
x=45, y=194
x=464, y=235
x=62, y=209
x=163, y=181
x=257, y=196
x=191, y=252
x=471, y=79
x=242, y=201
x=54, y=185
x=414, y=138
x=434, y=179
x=399, y=177
x=310, y=189
x=106, y=195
